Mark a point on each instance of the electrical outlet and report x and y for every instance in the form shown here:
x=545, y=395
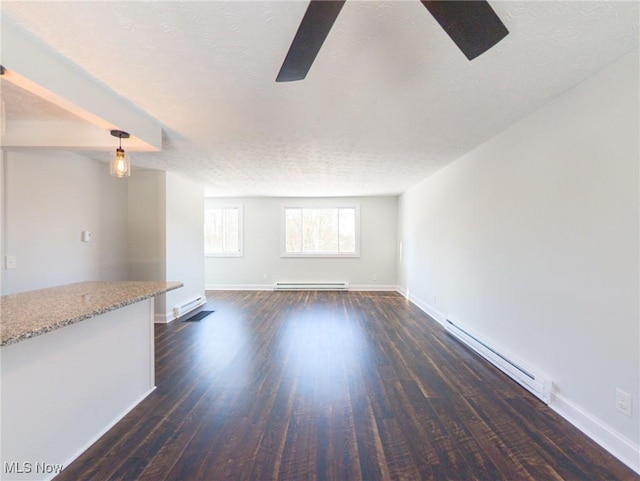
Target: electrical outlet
x=374, y=277
x=623, y=402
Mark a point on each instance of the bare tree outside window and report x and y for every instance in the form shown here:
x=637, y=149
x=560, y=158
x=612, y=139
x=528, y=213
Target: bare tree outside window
x=320, y=231
x=223, y=231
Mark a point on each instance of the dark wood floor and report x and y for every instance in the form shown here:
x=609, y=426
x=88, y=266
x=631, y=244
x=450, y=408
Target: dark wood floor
x=333, y=386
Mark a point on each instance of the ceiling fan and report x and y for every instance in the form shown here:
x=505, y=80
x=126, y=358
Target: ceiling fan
x=471, y=24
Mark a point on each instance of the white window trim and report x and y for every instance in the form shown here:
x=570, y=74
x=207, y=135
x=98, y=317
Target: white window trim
x=240, y=253
x=318, y=205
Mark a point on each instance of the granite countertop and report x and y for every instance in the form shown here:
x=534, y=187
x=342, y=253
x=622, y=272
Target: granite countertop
x=30, y=314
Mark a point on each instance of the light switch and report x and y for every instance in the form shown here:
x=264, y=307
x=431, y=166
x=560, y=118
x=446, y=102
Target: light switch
x=10, y=262
x=86, y=236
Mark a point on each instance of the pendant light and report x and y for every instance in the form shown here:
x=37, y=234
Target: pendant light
x=120, y=166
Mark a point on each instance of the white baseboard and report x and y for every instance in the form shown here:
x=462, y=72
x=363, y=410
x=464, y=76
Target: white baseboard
x=238, y=287
x=269, y=287
x=372, y=287
x=427, y=308
x=165, y=318
x=115, y=421
x=619, y=446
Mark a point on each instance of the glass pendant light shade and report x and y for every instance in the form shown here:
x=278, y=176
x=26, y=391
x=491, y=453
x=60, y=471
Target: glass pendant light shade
x=120, y=165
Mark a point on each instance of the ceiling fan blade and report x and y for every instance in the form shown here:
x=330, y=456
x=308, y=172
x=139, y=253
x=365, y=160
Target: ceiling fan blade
x=313, y=30
x=472, y=25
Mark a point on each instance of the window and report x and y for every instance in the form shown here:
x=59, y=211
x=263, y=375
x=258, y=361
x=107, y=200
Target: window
x=321, y=231
x=223, y=231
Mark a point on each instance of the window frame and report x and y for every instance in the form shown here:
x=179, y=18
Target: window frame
x=239, y=207
x=319, y=205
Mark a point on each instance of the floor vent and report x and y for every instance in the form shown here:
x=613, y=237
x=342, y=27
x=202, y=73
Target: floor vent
x=536, y=383
x=199, y=316
x=310, y=286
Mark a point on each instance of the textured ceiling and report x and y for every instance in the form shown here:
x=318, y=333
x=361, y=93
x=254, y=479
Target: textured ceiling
x=389, y=100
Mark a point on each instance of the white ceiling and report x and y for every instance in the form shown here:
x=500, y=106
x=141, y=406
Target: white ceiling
x=389, y=100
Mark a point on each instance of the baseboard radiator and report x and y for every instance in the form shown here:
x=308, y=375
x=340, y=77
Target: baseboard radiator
x=310, y=286
x=188, y=306
x=534, y=382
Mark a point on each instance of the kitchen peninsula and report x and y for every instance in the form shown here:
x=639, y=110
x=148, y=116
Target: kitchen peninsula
x=74, y=360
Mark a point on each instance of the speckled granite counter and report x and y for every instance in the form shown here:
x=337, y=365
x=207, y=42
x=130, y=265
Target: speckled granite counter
x=30, y=314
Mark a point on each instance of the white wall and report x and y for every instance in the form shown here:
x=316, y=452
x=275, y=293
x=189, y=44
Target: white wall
x=49, y=198
x=262, y=247
x=166, y=237
x=532, y=239
x=184, y=239
x=146, y=225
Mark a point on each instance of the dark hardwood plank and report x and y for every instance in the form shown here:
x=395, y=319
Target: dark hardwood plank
x=333, y=386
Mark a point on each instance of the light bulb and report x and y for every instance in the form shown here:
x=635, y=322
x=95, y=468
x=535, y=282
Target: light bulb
x=120, y=164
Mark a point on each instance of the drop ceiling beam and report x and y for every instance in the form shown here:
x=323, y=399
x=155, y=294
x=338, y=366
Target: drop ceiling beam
x=64, y=135
x=35, y=67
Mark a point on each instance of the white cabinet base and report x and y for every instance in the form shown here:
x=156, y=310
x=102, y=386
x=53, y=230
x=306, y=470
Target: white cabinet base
x=62, y=390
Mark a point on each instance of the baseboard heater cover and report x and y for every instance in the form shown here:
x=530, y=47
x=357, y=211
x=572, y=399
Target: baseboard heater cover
x=534, y=382
x=310, y=286
x=188, y=306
